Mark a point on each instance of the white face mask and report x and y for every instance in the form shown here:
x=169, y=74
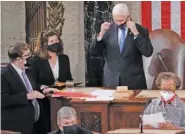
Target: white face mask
x=167, y=95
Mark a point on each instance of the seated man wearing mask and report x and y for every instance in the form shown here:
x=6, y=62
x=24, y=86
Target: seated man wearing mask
x=168, y=103
x=67, y=122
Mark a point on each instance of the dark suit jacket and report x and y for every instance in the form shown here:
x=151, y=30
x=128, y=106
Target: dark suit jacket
x=17, y=110
x=80, y=131
x=125, y=68
x=43, y=73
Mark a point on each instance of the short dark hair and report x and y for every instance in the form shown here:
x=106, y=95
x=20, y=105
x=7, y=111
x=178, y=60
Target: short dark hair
x=16, y=50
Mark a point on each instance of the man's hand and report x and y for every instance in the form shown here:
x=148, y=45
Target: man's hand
x=35, y=95
x=167, y=125
x=104, y=27
x=48, y=90
x=132, y=26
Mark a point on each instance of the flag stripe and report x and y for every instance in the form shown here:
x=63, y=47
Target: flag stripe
x=183, y=20
x=165, y=14
x=156, y=15
x=146, y=16
x=176, y=16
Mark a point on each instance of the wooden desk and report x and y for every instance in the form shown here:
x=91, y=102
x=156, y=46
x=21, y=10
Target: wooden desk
x=102, y=116
x=146, y=131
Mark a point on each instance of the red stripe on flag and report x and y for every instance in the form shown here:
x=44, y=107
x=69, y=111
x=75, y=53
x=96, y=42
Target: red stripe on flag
x=165, y=14
x=146, y=14
x=183, y=20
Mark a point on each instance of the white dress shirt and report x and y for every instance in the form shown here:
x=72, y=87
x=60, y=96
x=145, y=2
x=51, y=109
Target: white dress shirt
x=55, y=70
x=19, y=71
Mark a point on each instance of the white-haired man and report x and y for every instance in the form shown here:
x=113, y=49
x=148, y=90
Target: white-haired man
x=67, y=122
x=124, y=42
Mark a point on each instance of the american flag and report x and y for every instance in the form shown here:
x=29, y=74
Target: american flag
x=164, y=15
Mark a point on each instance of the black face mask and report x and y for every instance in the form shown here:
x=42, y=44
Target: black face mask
x=56, y=47
x=28, y=62
x=73, y=129
x=121, y=26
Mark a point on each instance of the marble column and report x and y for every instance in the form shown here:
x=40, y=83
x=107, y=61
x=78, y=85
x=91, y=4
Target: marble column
x=95, y=13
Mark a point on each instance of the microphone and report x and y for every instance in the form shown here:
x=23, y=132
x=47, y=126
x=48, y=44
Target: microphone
x=161, y=60
x=147, y=103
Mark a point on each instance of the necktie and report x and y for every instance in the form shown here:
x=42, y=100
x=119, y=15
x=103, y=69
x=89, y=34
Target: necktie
x=122, y=39
x=34, y=102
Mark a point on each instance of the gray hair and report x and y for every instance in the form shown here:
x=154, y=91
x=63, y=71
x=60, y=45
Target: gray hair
x=120, y=9
x=66, y=113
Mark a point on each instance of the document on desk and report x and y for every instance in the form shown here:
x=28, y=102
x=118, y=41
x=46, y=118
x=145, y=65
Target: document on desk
x=102, y=95
x=154, y=119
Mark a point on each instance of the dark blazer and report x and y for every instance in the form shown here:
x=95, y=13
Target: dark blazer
x=80, y=131
x=43, y=73
x=17, y=113
x=125, y=68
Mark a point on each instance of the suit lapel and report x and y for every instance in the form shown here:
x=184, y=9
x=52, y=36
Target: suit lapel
x=16, y=75
x=115, y=37
x=60, y=66
x=30, y=79
x=47, y=66
x=128, y=40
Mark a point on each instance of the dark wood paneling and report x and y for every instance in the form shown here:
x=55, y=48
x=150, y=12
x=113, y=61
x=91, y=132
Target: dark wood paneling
x=35, y=20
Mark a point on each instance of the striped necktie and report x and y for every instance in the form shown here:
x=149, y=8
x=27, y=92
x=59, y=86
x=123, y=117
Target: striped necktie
x=30, y=89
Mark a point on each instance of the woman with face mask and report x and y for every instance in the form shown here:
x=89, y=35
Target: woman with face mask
x=49, y=66
x=169, y=104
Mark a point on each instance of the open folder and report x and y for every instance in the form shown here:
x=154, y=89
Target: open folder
x=63, y=85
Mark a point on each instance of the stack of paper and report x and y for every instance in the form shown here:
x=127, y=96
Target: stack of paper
x=102, y=95
x=153, y=119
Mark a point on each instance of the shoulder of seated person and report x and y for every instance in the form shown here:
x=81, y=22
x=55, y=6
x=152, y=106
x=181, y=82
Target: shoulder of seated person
x=84, y=131
x=54, y=132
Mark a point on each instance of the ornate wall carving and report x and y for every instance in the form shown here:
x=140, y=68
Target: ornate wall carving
x=55, y=17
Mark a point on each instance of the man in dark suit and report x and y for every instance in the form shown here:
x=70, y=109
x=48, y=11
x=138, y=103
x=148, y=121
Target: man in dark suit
x=19, y=105
x=124, y=42
x=67, y=122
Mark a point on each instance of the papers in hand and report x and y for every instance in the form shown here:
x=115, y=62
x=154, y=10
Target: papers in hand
x=153, y=119
x=102, y=95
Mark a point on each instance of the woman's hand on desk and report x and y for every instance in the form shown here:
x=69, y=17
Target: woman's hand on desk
x=50, y=90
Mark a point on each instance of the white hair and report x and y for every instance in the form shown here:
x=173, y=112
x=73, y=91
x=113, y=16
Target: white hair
x=120, y=9
x=66, y=113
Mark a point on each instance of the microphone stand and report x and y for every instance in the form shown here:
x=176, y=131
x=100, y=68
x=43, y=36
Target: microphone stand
x=161, y=60
x=147, y=103
x=141, y=127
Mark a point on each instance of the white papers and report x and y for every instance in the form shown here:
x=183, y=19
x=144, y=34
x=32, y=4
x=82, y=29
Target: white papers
x=102, y=95
x=153, y=119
